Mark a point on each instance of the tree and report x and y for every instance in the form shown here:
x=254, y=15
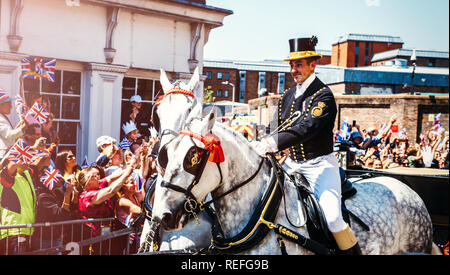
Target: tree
x=208, y=95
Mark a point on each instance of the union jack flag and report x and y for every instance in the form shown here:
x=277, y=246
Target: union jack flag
x=51, y=177
x=138, y=182
x=39, y=68
x=19, y=104
x=38, y=154
x=403, y=134
x=85, y=163
x=21, y=152
x=128, y=222
x=38, y=114
x=344, y=133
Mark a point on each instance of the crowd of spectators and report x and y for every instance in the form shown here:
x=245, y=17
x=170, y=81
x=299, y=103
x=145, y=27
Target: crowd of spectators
x=387, y=147
x=113, y=186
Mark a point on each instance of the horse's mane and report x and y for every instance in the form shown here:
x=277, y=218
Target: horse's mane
x=239, y=139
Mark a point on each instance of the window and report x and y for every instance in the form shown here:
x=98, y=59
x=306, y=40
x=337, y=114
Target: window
x=219, y=93
x=356, y=54
x=227, y=76
x=219, y=75
x=262, y=81
x=431, y=62
x=366, y=55
x=62, y=98
x=148, y=89
x=242, y=86
x=209, y=75
x=226, y=93
x=281, y=79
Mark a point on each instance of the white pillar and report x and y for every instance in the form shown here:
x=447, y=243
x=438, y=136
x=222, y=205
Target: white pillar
x=101, y=105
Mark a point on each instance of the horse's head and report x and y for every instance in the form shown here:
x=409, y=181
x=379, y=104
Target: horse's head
x=188, y=177
x=180, y=102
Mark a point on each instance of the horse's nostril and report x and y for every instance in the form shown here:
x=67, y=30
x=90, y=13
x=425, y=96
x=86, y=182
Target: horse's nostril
x=166, y=219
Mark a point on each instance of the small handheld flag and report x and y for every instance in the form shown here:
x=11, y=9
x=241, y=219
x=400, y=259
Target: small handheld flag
x=21, y=152
x=39, y=68
x=51, y=177
x=85, y=163
x=138, y=181
x=37, y=114
x=344, y=133
x=19, y=104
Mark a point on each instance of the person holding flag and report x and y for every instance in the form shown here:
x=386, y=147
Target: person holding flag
x=8, y=133
x=18, y=202
x=54, y=201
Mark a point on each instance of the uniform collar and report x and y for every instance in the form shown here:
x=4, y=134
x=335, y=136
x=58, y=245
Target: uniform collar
x=302, y=88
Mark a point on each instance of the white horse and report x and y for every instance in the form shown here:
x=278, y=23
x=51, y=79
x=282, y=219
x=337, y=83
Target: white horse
x=398, y=219
x=174, y=109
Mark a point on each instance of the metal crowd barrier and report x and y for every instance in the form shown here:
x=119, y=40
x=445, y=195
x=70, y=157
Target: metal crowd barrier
x=69, y=238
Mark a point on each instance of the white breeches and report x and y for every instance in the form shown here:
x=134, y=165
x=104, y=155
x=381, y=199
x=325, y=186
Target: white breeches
x=323, y=176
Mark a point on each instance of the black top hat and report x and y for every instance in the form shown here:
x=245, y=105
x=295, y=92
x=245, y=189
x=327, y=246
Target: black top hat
x=302, y=48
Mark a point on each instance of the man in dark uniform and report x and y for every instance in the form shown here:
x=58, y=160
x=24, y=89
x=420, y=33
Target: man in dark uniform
x=310, y=138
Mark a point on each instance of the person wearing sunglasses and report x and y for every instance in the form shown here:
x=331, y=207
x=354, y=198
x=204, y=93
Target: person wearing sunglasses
x=66, y=163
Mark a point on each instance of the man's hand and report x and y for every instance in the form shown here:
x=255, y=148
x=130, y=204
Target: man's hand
x=109, y=150
x=266, y=145
x=40, y=143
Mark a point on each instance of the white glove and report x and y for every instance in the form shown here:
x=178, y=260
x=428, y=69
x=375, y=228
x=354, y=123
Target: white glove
x=264, y=146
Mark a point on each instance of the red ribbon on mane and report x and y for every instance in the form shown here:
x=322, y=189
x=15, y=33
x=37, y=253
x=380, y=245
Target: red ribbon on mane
x=212, y=144
x=174, y=91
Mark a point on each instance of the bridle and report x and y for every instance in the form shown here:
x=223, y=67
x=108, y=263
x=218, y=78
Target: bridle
x=175, y=90
x=195, y=162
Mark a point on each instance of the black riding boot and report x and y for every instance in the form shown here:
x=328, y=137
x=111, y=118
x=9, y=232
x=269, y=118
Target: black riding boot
x=354, y=250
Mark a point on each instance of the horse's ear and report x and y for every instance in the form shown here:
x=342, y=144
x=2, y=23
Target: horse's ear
x=165, y=83
x=210, y=119
x=195, y=79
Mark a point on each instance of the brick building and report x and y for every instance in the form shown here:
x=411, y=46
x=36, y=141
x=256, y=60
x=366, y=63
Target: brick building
x=248, y=77
x=356, y=50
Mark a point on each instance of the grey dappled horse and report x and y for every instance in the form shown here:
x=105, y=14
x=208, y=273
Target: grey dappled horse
x=173, y=110
x=398, y=219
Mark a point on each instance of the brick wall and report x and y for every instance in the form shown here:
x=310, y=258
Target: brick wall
x=343, y=54
x=411, y=110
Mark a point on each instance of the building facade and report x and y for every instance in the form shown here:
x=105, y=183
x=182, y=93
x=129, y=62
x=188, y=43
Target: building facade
x=424, y=58
x=106, y=51
x=357, y=50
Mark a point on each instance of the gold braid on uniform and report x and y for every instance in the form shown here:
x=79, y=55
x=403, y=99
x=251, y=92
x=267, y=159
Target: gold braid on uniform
x=292, y=148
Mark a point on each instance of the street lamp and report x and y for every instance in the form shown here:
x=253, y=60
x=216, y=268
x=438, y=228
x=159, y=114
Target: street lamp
x=413, y=59
x=232, y=104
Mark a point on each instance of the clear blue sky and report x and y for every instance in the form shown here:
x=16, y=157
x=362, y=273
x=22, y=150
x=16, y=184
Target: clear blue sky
x=260, y=29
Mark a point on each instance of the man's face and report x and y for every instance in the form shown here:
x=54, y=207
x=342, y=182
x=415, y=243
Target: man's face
x=5, y=108
x=31, y=139
x=134, y=134
x=136, y=104
x=301, y=70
